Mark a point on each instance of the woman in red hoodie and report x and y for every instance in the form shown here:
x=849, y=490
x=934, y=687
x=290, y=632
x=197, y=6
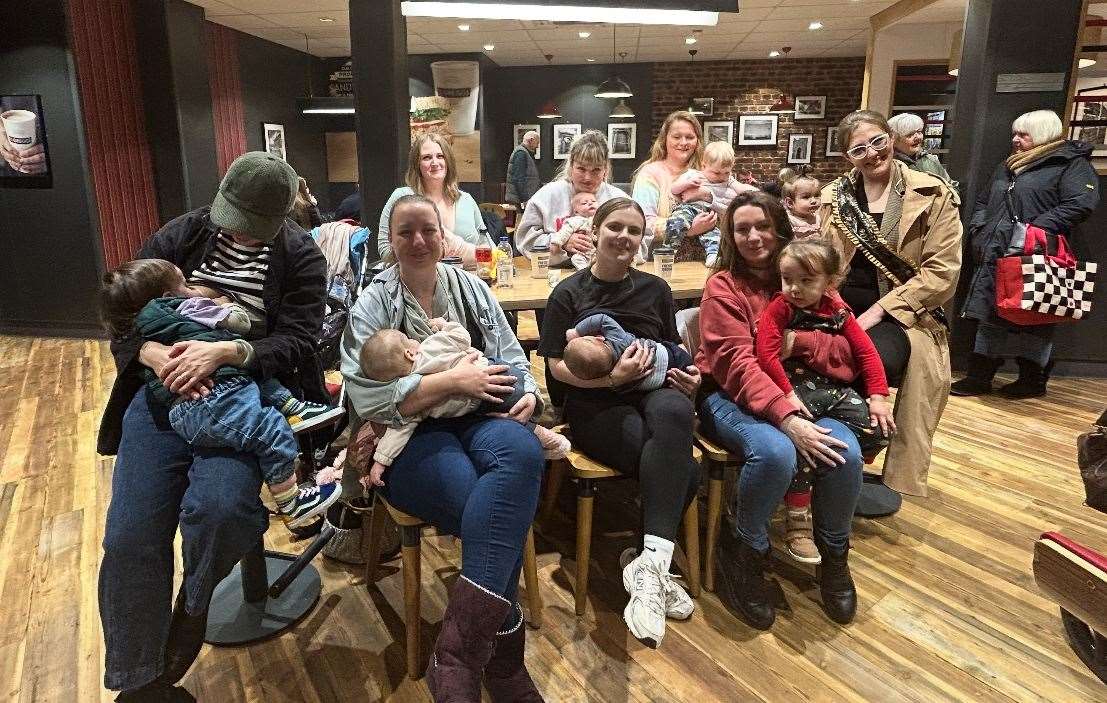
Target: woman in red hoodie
x=743, y=409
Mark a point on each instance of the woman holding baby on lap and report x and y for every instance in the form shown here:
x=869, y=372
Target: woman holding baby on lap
x=560, y=214
x=610, y=336
x=683, y=190
x=473, y=476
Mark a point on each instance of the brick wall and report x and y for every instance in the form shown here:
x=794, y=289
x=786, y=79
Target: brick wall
x=744, y=87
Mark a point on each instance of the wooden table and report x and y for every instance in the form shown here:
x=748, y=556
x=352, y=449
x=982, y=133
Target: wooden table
x=529, y=293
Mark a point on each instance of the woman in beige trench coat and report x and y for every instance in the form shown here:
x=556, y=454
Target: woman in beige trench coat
x=900, y=235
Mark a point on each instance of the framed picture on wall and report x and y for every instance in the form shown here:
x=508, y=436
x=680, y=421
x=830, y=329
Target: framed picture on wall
x=24, y=157
x=721, y=131
x=705, y=106
x=799, y=148
x=810, y=107
x=757, y=130
x=832, y=148
x=563, y=136
x=273, y=138
x=621, y=140
x=520, y=129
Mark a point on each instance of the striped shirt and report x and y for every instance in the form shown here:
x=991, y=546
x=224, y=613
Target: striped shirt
x=238, y=271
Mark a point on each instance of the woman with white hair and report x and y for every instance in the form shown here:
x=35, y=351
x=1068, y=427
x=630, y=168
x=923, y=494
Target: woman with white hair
x=907, y=129
x=1047, y=182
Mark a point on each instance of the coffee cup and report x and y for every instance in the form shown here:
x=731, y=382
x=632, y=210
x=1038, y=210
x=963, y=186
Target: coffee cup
x=459, y=83
x=20, y=128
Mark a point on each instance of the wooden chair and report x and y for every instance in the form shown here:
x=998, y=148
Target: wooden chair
x=716, y=459
x=587, y=471
x=411, y=529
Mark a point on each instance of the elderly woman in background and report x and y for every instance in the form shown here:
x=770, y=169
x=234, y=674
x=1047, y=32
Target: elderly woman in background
x=900, y=236
x=1046, y=182
x=907, y=130
x=678, y=147
x=432, y=172
x=585, y=171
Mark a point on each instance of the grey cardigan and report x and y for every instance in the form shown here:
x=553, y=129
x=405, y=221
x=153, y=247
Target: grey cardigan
x=381, y=305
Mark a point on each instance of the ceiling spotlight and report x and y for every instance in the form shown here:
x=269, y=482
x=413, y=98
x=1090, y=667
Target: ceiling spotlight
x=815, y=25
x=326, y=19
x=591, y=60
x=584, y=35
x=773, y=54
x=463, y=27
x=690, y=39
x=489, y=47
x=1086, y=62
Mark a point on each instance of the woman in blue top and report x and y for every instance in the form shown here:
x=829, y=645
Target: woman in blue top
x=475, y=476
x=432, y=173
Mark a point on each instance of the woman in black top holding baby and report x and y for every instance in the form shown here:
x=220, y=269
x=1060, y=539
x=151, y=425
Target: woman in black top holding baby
x=653, y=439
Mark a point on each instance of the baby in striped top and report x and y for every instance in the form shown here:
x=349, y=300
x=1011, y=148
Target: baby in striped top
x=150, y=298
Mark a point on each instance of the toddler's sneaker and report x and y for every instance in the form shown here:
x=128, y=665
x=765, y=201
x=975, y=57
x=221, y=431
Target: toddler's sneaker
x=645, y=611
x=311, y=501
x=554, y=445
x=799, y=537
x=678, y=604
x=303, y=415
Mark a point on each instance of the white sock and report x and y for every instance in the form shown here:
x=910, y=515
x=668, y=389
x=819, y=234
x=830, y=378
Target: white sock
x=659, y=550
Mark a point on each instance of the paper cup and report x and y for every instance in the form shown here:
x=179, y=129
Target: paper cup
x=459, y=83
x=20, y=127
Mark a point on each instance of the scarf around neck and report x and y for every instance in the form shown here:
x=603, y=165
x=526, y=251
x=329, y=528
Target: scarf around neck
x=1019, y=162
x=877, y=244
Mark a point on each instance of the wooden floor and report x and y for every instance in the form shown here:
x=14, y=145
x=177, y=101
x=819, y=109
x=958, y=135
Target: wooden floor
x=948, y=606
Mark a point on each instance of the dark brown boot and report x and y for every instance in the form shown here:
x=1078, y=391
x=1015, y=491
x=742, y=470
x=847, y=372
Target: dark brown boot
x=506, y=676
x=464, y=645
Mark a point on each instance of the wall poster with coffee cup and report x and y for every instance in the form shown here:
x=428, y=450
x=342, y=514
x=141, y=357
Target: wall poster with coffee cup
x=24, y=158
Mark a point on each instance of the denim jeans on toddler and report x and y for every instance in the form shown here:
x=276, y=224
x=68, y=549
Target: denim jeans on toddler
x=242, y=415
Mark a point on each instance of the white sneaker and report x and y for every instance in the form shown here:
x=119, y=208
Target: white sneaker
x=678, y=604
x=645, y=611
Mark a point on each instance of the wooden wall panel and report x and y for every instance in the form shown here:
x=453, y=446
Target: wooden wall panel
x=122, y=173
x=226, y=94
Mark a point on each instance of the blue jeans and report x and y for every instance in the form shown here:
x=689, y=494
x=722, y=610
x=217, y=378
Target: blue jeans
x=999, y=341
x=242, y=415
x=477, y=478
x=770, y=465
x=158, y=483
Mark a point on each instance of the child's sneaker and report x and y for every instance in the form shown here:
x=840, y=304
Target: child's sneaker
x=554, y=445
x=311, y=501
x=303, y=415
x=799, y=537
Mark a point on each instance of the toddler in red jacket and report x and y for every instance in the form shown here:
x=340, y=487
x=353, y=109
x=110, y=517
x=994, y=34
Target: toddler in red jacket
x=808, y=269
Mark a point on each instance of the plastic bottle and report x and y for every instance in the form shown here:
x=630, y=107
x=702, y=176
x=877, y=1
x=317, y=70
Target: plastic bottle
x=505, y=265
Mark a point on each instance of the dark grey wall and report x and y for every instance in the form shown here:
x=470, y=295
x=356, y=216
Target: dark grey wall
x=515, y=94
x=52, y=257
x=273, y=77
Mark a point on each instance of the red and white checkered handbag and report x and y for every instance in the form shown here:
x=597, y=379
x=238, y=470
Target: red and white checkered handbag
x=1039, y=289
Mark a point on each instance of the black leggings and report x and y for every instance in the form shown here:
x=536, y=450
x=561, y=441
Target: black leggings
x=643, y=434
x=890, y=340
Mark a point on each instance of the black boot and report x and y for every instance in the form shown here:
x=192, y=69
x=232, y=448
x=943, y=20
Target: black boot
x=156, y=692
x=1031, y=382
x=978, y=380
x=741, y=583
x=186, y=637
x=836, y=584
x=506, y=676
x=464, y=644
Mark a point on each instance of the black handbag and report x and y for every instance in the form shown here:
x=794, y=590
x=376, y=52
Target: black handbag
x=1092, y=459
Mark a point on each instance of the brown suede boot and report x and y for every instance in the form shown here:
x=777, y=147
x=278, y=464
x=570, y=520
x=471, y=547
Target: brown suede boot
x=506, y=676
x=464, y=645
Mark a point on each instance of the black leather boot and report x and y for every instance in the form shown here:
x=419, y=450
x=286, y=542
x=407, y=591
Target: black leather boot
x=978, y=380
x=156, y=692
x=836, y=584
x=741, y=583
x=1031, y=382
x=186, y=637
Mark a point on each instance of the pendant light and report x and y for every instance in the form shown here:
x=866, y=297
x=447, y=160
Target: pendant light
x=614, y=87
x=622, y=110
x=549, y=110
x=691, y=103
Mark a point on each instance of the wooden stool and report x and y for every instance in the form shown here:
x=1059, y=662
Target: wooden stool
x=411, y=529
x=715, y=460
x=587, y=471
